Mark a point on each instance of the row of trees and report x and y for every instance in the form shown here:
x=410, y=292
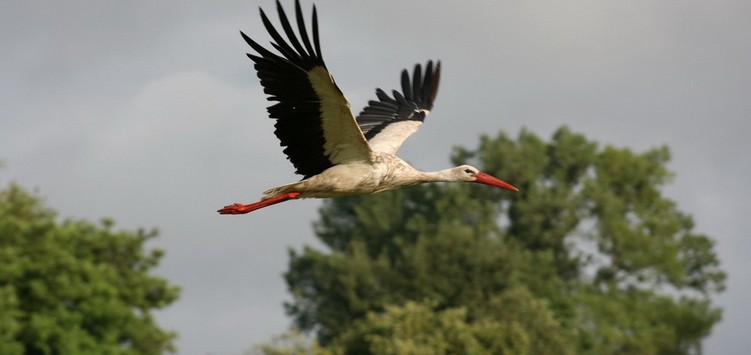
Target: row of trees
x=589, y=258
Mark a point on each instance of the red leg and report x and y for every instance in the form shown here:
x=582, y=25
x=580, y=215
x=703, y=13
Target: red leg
x=239, y=208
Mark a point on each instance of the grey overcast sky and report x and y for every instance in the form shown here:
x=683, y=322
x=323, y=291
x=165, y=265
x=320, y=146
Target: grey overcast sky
x=150, y=113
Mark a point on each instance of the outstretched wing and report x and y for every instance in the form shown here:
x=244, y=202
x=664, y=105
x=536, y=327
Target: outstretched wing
x=313, y=118
x=388, y=122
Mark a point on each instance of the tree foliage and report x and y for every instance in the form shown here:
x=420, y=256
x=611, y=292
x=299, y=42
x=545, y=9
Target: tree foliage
x=590, y=257
x=74, y=287
x=416, y=328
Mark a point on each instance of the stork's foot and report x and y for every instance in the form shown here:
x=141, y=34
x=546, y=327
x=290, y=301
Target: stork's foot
x=236, y=208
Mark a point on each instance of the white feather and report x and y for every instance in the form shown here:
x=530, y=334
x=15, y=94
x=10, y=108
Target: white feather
x=344, y=140
x=390, y=138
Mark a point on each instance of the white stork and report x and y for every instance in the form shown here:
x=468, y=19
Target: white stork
x=337, y=153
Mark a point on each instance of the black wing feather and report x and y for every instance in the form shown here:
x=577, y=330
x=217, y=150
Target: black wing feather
x=303, y=30
x=417, y=96
x=288, y=30
x=285, y=79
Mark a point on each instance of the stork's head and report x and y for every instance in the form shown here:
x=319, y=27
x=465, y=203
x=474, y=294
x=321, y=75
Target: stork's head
x=471, y=174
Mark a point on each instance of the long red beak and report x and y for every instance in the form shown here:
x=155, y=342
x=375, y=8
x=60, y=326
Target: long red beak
x=483, y=178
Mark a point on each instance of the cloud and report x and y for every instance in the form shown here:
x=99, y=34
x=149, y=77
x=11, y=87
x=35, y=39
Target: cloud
x=192, y=109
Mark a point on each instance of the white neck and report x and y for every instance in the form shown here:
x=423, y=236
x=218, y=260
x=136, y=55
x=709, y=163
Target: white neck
x=437, y=176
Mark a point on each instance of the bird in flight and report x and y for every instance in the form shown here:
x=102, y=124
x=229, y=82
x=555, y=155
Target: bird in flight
x=337, y=153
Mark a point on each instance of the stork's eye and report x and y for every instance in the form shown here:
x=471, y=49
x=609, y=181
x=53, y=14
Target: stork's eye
x=469, y=171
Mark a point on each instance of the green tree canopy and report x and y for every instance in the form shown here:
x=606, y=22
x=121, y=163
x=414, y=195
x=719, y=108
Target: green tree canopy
x=590, y=257
x=75, y=287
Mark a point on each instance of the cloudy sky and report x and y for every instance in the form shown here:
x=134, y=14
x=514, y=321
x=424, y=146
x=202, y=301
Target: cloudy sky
x=150, y=113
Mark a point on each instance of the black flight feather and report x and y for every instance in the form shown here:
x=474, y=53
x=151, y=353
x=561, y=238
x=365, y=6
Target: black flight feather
x=417, y=96
x=285, y=79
